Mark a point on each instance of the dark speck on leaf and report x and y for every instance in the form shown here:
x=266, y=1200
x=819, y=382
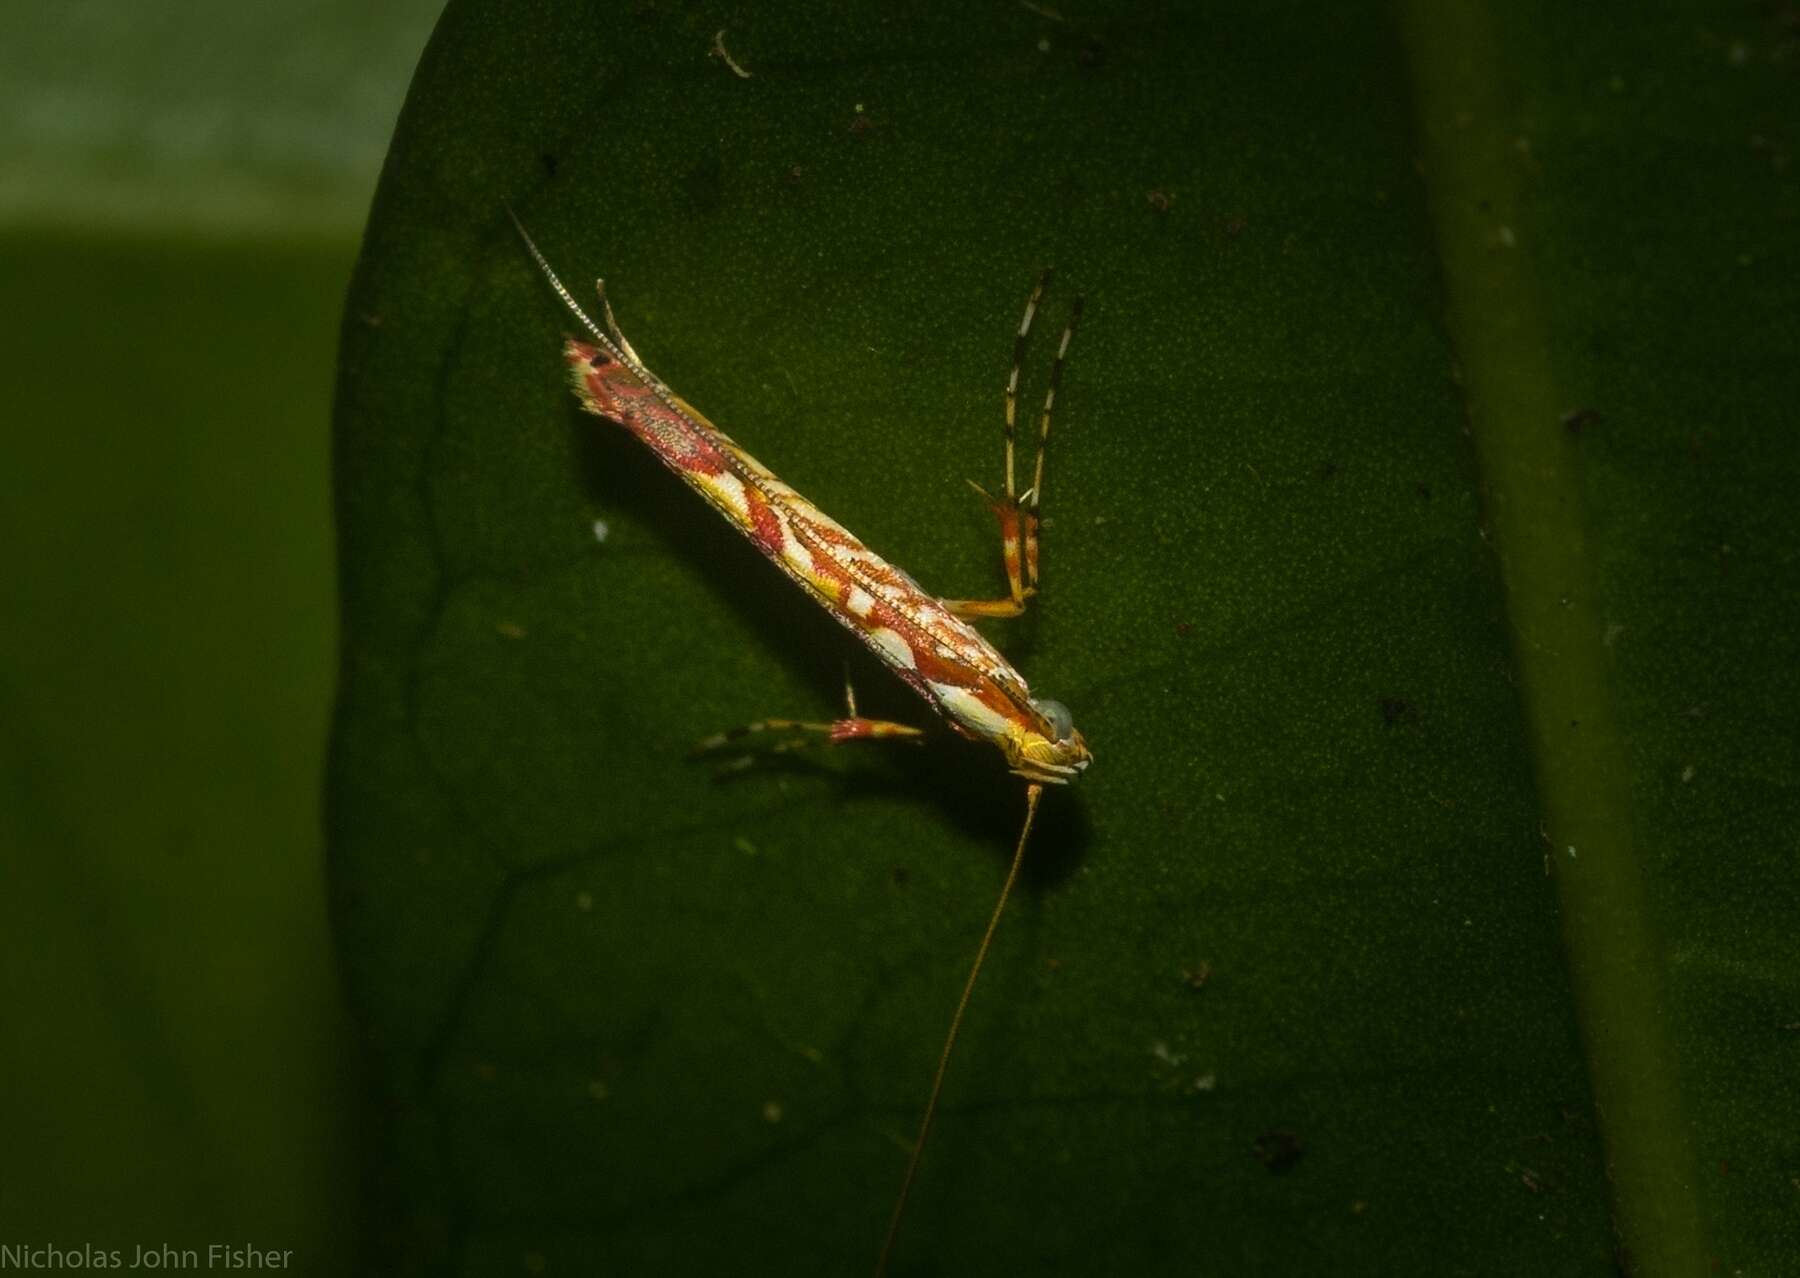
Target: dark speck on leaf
x=1093, y=53
x=1398, y=710
x=1577, y=420
x=550, y=163
x=1278, y=1150
x=1423, y=489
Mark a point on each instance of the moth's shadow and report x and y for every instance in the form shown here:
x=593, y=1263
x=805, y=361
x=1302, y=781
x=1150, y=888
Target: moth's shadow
x=970, y=784
x=964, y=779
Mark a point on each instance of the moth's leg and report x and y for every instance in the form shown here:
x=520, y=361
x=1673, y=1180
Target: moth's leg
x=612, y=325
x=1018, y=512
x=795, y=734
x=799, y=735
x=1036, y=493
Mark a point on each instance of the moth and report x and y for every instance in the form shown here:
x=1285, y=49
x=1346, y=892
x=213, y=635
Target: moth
x=926, y=640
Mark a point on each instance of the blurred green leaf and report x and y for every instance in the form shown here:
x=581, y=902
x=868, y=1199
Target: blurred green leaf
x=179, y=1070
x=252, y=120
x=632, y=1019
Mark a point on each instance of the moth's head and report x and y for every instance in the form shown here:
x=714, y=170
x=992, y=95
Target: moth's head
x=1049, y=750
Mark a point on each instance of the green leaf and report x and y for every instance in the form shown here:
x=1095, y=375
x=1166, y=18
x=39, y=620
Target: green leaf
x=1308, y=973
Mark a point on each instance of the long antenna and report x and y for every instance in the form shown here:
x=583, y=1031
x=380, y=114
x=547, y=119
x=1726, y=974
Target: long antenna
x=1033, y=793
x=562, y=291
x=612, y=343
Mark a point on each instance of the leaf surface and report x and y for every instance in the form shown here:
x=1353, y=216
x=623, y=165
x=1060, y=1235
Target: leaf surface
x=1289, y=987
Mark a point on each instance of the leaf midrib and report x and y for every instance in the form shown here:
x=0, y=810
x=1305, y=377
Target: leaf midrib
x=1535, y=517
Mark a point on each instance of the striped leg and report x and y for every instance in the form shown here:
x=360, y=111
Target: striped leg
x=1018, y=513
x=796, y=734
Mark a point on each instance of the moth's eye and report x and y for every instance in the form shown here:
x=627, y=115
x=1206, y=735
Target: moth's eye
x=1061, y=721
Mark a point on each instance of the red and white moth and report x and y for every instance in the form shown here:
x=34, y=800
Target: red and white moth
x=920, y=637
